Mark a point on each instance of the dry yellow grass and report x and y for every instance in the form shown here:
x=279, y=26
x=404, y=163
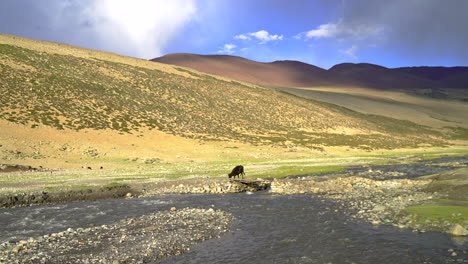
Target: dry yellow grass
x=395, y=104
x=73, y=149
x=64, y=49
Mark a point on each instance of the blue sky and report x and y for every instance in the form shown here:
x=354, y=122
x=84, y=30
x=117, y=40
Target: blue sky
x=320, y=32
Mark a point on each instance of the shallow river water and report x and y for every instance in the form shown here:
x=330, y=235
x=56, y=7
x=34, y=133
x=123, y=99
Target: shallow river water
x=267, y=229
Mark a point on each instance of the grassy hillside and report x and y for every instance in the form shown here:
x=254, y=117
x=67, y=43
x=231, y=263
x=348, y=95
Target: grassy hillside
x=68, y=92
x=447, y=116
x=57, y=95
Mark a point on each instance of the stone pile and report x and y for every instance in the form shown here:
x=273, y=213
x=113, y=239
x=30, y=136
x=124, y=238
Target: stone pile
x=211, y=187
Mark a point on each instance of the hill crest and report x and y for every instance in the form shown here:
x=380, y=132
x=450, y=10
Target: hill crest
x=290, y=73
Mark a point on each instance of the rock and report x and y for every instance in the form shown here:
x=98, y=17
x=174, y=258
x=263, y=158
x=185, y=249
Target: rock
x=379, y=208
x=454, y=254
x=17, y=249
x=458, y=230
x=129, y=195
x=173, y=209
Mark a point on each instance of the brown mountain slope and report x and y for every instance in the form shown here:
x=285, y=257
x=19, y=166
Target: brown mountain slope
x=376, y=76
x=299, y=74
x=278, y=73
x=445, y=77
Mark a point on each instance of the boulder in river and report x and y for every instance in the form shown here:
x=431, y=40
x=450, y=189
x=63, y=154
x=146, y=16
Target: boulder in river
x=458, y=230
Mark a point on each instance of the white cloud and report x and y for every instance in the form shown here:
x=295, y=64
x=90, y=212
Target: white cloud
x=242, y=36
x=351, y=35
x=298, y=36
x=228, y=49
x=351, y=52
x=264, y=36
x=323, y=31
x=340, y=30
x=139, y=28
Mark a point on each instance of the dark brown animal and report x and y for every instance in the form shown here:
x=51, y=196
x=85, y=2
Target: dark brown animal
x=238, y=170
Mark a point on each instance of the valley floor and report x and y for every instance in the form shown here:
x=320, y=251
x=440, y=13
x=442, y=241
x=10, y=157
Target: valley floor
x=411, y=192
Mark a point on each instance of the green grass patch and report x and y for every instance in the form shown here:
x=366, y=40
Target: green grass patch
x=460, y=133
x=439, y=213
x=187, y=71
x=283, y=171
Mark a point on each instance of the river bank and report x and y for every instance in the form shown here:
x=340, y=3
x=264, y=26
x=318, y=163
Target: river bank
x=55, y=197
x=128, y=241
x=184, y=186
x=379, y=195
x=426, y=196
x=266, y=228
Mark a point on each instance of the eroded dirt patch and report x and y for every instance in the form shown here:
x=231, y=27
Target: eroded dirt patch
x=16, y=168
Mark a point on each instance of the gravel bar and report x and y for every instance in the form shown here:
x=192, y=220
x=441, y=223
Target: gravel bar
x=135, y=240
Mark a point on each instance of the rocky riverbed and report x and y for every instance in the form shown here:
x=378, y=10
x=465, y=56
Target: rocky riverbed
x=207, y=186
x=379, y=194
x=135, y=240
x=374, y=201
x=184, y=186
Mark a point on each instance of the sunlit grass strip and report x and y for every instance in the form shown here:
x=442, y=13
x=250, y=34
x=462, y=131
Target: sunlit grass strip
x=284, y=171
x=439, y=213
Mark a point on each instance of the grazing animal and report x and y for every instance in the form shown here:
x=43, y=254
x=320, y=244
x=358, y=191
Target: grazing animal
x=238, y=170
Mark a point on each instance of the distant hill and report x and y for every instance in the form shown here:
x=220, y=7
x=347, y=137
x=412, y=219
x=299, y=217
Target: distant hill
x=299, y=74
x=72, y=89
x=375, y=76
x=278, y=73
x=444, y=77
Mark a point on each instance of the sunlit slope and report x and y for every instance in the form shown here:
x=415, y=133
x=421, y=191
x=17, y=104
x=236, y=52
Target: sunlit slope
x=423, y=110
x=76, y=89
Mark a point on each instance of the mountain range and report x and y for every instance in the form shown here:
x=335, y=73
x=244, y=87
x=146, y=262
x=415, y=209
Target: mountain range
x=299, y=74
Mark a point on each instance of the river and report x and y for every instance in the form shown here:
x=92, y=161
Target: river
x=267, y=228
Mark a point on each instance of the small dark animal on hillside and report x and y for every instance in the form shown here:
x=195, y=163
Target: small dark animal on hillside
x=238, y=170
